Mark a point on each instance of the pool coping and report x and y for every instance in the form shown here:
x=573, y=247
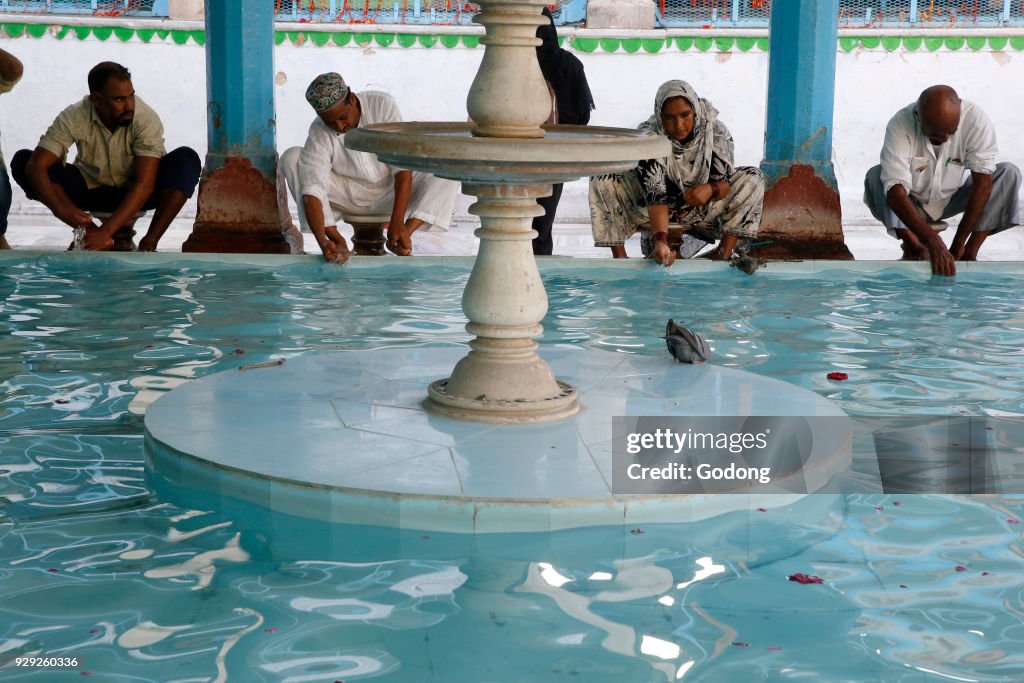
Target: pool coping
x=682, y=267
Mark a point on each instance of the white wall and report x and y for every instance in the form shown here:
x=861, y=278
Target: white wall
x=432, y=83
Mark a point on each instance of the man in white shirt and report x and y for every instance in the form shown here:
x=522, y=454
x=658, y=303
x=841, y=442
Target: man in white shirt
x=327, y=179
x=929, y=145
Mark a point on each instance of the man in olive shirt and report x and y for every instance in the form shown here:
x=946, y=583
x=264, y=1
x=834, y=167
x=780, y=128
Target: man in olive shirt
x=10, y=73
x=121, y=166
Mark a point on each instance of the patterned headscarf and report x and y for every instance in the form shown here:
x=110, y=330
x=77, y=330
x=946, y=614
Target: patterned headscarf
x=326, y=91
x=690, y=161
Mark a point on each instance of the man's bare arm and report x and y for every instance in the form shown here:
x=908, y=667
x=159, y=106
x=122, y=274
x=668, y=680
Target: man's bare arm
x=981, y=192
x=899, y=201
x=51, y=194
x=11, y=68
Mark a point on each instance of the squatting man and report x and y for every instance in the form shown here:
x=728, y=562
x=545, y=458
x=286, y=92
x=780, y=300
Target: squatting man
x=328, y=180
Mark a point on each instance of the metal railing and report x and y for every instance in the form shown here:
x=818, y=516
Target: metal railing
x=108, y=8
x=859, y=14
x=852, y=13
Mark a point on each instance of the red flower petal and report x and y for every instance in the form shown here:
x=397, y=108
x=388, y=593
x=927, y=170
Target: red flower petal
x=800, y=577
x=896, y=502
x=984, y=573
x=52, y=570
x=838, y=376
x=270, y=630
x=961, y=568
x=636, y=532
x=762, y=509
x=238, y=352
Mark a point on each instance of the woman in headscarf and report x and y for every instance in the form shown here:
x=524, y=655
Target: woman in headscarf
x=572, y=105
x=696, y=186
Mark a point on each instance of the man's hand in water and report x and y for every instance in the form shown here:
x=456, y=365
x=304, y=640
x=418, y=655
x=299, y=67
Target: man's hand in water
x=399, y=241
x=334, y=247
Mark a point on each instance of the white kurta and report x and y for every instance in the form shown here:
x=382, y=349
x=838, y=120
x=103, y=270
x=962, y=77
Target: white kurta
x=350, y=183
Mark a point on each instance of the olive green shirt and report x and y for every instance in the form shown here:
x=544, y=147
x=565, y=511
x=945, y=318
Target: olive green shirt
x=5, y=86
x=105, y=157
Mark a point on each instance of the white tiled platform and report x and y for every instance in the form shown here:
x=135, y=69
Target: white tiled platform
x=343, y=438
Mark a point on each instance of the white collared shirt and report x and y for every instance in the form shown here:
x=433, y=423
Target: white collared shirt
x=931, y=175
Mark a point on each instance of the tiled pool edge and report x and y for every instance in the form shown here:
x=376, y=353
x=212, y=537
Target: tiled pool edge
x=681, y=267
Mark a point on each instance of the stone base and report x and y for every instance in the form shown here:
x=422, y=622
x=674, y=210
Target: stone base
x=802, y=219
x=344, y=439
x=239, y=212
x=627, y=14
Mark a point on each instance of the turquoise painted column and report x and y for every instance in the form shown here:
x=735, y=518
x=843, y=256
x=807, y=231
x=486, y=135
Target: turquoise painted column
x=802, y=215
x=801, y=87
x=242, y=207
x=240, y=82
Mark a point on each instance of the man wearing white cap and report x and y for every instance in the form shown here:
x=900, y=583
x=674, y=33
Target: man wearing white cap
x=327, y=179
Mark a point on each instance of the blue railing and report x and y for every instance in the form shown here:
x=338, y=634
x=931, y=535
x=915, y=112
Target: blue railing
x=862, y=14
x=143, y=8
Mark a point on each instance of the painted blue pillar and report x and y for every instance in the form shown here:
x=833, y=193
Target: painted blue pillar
x=242, y=206
x=240, y=81
x=801, y=87
x=802, y=216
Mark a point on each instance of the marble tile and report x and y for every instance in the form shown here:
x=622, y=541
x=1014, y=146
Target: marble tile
x=541, y=462
x=427, y=427
x=432, y=474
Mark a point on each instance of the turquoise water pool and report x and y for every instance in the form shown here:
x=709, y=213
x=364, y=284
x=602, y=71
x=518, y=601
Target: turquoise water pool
x=915, y=587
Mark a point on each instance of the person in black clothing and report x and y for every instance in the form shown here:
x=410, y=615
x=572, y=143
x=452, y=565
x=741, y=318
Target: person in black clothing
x=573, y=103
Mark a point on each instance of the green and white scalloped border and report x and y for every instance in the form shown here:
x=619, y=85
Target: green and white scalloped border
x=846, y=43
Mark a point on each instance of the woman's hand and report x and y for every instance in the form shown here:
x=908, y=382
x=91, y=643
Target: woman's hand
x=663, y=254
x=699, y=195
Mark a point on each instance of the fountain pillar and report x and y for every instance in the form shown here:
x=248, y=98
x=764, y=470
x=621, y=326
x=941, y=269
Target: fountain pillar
x=507, y=159
x=503, y=377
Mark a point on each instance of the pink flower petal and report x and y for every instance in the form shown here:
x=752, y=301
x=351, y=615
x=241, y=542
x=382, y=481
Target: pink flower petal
x=762, y=509
x=52, y=570
x=636, y=532
x=775, y=648
x=984, y=573
x=739, y=644
x=879, y=507
x=423, y=538
x=800, y=577
x=1013, y=521
x=238, y=352
x=270, y=630
x=897, y=503
x=961, y=568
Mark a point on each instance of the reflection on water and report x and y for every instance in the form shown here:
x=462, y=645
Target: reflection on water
x=916, y=587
